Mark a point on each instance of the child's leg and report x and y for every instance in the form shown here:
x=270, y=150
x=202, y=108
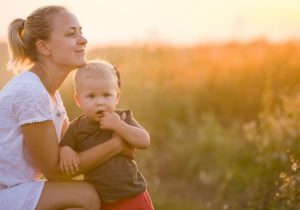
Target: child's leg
x=69, y=195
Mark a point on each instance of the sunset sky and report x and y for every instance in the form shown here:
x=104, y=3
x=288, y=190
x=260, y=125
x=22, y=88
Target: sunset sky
x=182, y=22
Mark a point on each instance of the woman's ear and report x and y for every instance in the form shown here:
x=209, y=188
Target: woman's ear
x=42, y=48
x=77, y=99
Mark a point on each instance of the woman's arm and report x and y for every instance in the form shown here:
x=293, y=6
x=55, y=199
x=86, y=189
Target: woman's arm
x=42, y=144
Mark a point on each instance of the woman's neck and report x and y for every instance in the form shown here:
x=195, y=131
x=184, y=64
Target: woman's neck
x=51, y=77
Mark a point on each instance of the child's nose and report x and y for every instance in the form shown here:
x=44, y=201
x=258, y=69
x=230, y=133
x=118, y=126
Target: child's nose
x=99, y=102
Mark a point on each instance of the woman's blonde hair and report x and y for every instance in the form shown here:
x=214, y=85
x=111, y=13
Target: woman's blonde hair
x=23, y=35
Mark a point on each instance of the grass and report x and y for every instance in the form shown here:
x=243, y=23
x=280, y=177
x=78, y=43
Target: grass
x=223, y=118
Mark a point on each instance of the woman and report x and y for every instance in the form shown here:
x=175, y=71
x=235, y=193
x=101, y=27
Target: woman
x=32, y=116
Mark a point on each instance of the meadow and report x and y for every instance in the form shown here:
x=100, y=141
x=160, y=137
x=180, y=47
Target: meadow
x=224, y=120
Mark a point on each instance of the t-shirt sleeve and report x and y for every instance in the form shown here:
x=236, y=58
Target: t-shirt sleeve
x=69, y=138
x=129, y=118
x=32, y=105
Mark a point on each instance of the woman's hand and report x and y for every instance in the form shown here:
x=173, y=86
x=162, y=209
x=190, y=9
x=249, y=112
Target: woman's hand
x=128, y=150
x=69, y=161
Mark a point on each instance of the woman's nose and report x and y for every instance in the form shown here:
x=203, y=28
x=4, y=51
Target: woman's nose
x=82, y=40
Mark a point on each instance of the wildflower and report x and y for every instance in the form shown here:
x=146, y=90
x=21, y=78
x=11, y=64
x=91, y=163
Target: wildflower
x=294, y=166
x=282, y=175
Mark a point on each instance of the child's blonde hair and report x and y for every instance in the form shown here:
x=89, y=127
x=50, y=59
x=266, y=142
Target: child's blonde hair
x=94, y=69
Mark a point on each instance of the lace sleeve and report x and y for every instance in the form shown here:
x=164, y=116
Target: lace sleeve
x=32, y=104
x=129, y=118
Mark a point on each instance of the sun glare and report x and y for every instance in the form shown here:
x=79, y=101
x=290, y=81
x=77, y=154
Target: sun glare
x=172, y=21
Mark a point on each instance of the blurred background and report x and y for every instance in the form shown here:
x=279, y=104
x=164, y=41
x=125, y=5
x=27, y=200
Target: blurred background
x=217, y=85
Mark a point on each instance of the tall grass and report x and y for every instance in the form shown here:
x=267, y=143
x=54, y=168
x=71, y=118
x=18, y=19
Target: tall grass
x=223, y=119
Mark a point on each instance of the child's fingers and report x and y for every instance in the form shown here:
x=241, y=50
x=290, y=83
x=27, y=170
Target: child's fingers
x=77, y=159
x=61, y=166
x=75, y=164
x=100, y=123
x=71, y=168
x=66, y=168
x=123, y=116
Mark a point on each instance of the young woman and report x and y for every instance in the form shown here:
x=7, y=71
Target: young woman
x=50, y=44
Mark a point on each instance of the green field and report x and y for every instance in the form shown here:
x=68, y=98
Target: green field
x=224, y=121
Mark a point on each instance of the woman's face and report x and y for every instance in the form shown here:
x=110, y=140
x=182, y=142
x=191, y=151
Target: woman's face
x=66, y=44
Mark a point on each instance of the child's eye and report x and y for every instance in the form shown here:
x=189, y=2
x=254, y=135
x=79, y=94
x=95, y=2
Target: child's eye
x=91, y=96
x=107, y=94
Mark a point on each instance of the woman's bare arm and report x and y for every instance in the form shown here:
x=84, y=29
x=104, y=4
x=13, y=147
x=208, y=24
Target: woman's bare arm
x=42, y=144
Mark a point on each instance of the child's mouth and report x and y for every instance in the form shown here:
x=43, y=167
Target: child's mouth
x=99, y=112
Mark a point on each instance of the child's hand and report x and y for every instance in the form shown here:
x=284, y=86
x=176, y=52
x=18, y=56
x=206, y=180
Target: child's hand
x=69, y=160
x=109, y=120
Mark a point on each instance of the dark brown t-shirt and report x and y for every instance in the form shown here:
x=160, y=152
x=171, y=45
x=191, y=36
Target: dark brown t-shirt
x=117, y=178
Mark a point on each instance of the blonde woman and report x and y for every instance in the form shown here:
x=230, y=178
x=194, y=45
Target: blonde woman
x=49, y=44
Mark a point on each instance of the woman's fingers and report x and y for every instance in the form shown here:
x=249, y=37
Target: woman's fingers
x=128, y=150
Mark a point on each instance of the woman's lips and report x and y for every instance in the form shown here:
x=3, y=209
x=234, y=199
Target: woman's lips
x=80, y=51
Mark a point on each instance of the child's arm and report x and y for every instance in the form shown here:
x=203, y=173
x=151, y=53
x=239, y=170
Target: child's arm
x=68, y=158
x=135, y=136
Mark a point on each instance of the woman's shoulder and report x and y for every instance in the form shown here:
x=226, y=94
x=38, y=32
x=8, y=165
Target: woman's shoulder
x=25, y=83
x=24, y=89
x=28, y=79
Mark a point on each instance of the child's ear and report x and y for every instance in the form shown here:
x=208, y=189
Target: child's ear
x=42, y=47
x=77, y=99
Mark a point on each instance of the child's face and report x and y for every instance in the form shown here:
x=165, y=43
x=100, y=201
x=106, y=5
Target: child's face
x=97, y=95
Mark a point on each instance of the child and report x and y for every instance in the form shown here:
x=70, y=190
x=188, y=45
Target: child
x=117, y=181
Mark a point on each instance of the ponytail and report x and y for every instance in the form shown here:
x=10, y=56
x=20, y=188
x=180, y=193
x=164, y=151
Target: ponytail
x=17, y=49
x=23, y=35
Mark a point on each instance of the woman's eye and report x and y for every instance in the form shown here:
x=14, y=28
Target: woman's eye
x=71, y=33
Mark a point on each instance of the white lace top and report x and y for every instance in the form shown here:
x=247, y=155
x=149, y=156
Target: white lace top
x=23, y=100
